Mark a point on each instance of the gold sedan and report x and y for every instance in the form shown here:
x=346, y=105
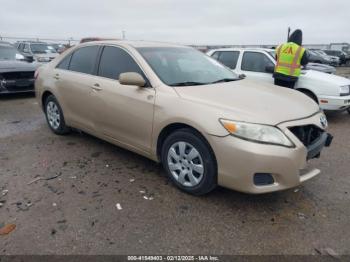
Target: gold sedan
x=180, y=107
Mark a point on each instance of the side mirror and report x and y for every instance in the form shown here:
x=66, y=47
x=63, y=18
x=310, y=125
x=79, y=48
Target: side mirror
x=132, y=79
x=270, y=69
x=242, y=76
x=29, y=59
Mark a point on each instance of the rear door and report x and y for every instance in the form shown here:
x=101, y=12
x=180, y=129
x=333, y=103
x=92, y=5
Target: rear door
x=254, y=66
x=74, y=78
x=122, y=112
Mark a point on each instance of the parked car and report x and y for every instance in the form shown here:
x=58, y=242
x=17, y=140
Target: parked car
x=331, y=92
x=93, y=39
x=338, y=53
x=175, y=105
x=59, y=47
x=321, y=68
x=335, y=61
x=16, y=71
x=315, y=57
x=42, y=52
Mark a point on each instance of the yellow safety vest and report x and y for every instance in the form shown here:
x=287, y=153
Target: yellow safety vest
x=289, y=58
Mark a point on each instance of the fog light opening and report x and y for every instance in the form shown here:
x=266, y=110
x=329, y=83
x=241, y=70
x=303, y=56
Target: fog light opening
x=263, y=179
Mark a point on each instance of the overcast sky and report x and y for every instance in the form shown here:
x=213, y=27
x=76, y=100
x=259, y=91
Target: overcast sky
x=180, y=21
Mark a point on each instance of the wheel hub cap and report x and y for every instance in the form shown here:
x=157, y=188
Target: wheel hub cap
x=185, y=164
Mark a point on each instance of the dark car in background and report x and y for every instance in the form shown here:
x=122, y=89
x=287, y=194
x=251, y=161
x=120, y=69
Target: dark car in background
x=343, y=57
x=335, y=61
x=59, y=47
x=16, y=70
x=315, y=57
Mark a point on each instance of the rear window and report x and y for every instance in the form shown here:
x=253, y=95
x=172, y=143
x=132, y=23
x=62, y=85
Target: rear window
x=84, y=59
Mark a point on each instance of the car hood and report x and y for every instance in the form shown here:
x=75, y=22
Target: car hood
x=320, y=67
x=325, y=78
x=252, y=101
x=16, y=66
x=47, y=55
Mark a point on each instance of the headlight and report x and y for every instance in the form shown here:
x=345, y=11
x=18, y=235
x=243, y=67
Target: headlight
x=257, y=133
x=344, y=90
x=43, y=59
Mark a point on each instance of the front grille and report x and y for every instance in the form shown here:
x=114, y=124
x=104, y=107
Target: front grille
x=17, y=75
x=307, y=134
x=17, y=81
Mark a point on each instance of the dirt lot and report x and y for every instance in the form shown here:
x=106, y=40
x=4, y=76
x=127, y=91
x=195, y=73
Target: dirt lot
x=76, y=213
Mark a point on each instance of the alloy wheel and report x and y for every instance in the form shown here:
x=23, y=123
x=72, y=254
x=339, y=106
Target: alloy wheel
x=53, y=115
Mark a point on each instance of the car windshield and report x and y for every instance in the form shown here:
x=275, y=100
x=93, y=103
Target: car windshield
x=9, y=53
x=182, y=66
x=57, y=46
x=321, y=52
x=42, y=49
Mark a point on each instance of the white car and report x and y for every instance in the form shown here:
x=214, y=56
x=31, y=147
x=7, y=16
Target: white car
x=331, y=92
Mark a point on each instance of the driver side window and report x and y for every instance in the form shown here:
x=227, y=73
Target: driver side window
x=115, y=61
x=255, y=62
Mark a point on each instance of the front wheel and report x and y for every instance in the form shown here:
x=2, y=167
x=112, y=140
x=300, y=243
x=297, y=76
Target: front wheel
x=54, y=116
x=189, y=162
x=348, y=110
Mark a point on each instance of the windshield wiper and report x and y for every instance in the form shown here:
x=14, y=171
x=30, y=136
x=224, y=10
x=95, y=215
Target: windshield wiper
x=188, y=84
x=224, y=80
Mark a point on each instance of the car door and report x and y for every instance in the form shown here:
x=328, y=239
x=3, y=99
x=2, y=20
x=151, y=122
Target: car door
x=255, y=66
x=122, y=112
x=74, y=78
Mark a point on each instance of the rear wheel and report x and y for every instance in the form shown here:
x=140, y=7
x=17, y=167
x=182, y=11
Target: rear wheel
x=54, y=116
x=189, y=162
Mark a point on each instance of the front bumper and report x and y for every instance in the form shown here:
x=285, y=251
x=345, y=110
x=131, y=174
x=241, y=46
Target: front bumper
x=239, y=161
x=336, y=103
x=16, y=86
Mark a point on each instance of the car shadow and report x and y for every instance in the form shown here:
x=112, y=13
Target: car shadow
x=17, y=96
x=334, y=117
x=222, y=196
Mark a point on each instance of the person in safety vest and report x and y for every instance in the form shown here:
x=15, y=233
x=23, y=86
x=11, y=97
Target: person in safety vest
x=290, y=57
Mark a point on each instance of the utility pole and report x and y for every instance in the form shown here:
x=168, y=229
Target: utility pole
x=69, y=40
x=288, y=33
x=123, y=34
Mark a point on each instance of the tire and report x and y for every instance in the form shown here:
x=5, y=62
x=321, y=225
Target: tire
x=348, y=110
x=189, y=162
x=54, y=116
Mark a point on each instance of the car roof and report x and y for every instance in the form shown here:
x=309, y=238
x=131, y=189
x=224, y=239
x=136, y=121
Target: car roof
x=135, y=44
x=3, y=43
x=243, y=49
x=31, y=42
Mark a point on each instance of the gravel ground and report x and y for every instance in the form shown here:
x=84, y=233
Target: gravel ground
x=76, y=211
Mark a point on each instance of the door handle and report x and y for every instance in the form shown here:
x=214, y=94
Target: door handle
x=96, y=87
x=57, y=76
